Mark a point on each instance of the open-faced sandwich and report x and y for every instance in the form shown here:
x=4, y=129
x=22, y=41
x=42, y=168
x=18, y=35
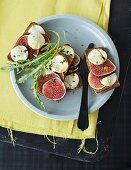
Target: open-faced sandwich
x=60, y=74
x=31, y=43
x=102, y=76
x=52, y=67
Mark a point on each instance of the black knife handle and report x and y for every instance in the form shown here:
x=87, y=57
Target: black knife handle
x=83, y=121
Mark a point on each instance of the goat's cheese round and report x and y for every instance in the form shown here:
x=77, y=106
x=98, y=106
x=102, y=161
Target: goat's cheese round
x=19, y=52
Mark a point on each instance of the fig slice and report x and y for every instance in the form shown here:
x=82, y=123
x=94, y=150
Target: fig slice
x=95, y=82
x=54, y=89
x=23, y=41
x=104, y=69
x=43, y=79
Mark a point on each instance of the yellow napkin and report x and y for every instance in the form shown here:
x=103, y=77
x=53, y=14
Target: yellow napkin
x=14, y=17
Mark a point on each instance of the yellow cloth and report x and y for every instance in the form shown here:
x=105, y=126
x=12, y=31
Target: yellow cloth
x=14, y=17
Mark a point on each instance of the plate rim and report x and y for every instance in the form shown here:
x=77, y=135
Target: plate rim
x=53, y=116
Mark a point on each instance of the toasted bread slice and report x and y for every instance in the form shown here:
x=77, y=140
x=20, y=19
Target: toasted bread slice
x=36, y=52
x=96, y=85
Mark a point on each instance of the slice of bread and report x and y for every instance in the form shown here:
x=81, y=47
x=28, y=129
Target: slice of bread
x=46, y=36
x=105, y=88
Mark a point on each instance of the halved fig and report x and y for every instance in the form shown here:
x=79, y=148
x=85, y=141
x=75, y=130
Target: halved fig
x=75, y=62
x=44, y=78
x=104, y=69
x=23, y=41
x=95, y=82
x=54, y=89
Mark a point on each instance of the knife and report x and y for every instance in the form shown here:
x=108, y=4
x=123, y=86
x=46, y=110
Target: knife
x=83, y=121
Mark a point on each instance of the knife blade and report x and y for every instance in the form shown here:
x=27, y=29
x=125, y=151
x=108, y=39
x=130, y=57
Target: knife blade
x=83, y=121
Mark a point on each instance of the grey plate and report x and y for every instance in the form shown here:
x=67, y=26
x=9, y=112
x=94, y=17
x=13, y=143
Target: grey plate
x=80, y=32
